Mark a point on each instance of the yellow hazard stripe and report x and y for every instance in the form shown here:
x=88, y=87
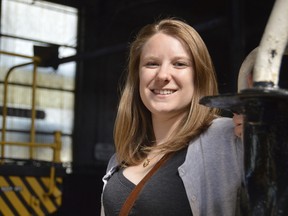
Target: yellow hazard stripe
x=4, y=209
x=41, y=194
x=26, y=195
x=19, y=207
x=56, y=192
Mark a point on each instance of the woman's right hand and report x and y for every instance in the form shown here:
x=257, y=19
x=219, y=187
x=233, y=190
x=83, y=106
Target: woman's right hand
x=238, y=122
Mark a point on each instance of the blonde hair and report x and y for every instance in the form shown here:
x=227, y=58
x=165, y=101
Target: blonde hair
x=133, y=130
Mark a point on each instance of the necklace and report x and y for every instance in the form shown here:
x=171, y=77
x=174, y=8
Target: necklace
x=147, y=161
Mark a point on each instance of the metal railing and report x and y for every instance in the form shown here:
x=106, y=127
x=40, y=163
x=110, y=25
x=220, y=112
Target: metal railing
x=56, y=146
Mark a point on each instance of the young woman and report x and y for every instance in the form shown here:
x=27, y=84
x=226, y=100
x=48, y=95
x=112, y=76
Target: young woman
x=169, y=70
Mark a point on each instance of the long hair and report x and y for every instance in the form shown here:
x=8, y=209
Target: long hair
x=133, y=130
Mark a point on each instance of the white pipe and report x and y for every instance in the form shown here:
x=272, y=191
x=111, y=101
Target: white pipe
x=245, y=69
x=272, y=45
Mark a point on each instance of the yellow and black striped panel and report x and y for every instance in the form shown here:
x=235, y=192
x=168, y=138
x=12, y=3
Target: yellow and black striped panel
x=28, y=195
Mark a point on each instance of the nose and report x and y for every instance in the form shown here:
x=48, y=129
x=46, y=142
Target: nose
x=163, y=73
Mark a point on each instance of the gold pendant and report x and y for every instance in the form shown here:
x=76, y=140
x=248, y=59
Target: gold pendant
x=146, y=162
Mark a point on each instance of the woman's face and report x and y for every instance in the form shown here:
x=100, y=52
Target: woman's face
x=166, y=75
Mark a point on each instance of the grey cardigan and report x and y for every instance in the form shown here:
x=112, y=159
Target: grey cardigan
x=212, y=171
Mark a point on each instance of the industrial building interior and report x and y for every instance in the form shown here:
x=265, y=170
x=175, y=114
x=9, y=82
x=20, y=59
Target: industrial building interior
x=95, y=56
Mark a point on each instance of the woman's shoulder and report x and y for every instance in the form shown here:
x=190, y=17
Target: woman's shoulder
x=219, y=136
x=216, y=142
x=221, y=126
x=222, y=121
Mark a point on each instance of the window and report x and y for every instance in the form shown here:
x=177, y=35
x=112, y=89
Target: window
x=25, y=23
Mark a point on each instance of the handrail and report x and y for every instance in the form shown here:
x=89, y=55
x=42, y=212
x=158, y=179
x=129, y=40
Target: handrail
x=56, y=159
x=33, y=58
x=56, y=146
x=35, y=61
x=4, y=110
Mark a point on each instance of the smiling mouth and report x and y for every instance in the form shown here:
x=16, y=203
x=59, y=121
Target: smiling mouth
x=163, y=92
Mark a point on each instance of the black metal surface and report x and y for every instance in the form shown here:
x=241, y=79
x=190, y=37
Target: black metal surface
x=22, y=112
x=24, y=167
x=265, y=190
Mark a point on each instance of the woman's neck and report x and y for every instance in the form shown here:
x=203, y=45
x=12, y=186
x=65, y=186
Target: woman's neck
x=164, y=126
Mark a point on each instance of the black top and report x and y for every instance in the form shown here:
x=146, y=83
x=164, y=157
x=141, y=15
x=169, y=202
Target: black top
x=163, y=194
